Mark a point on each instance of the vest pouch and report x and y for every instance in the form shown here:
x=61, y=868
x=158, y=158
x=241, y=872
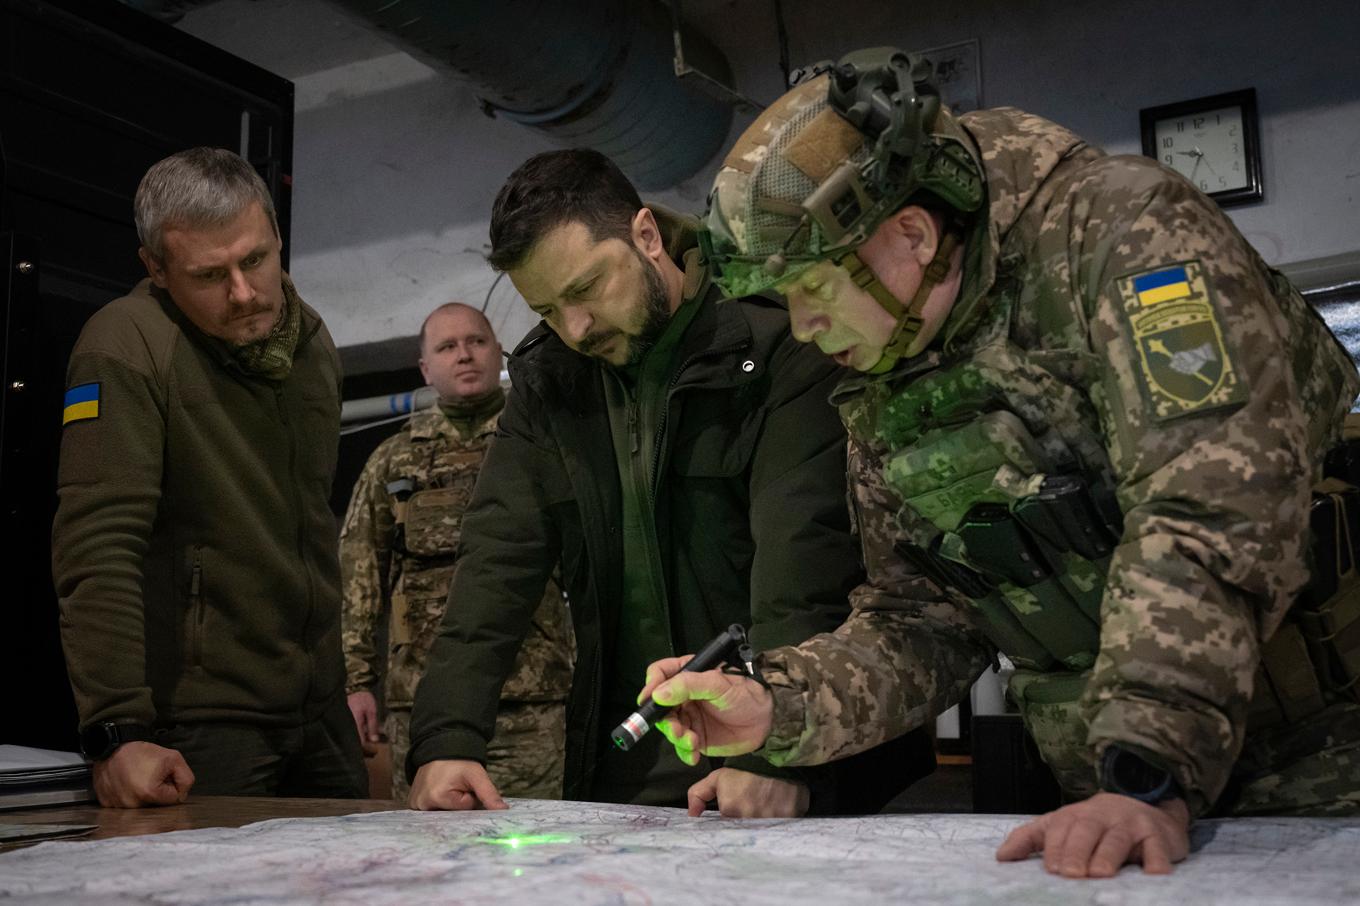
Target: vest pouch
x=1049, y=704
x=1333, y=633
x=1078, y=530
x=948, y=470
x=1008, y=634
x=399, y=630
x=1050, y=614
x=1329, y=615
x=1289, y=674
x=434, y=521
x=1314, y=656
x=998, y=545
x=414, y=625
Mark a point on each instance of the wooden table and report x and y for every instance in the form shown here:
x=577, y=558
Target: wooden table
x=198, y=811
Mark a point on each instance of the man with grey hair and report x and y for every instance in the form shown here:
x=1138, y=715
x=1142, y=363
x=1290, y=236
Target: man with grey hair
x=193, y=549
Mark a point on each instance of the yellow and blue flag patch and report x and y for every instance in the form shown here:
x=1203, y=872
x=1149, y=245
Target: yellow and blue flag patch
x=1161, y=286
x=82, y=402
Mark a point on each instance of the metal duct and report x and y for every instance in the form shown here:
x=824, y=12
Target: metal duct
x=168, y=11
x=593, y=73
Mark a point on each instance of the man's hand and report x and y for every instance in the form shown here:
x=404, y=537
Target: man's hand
x=1095, y=838
x=453, y=785
x=715, y=713
x=142, y=773
x=364, y=707
x=741, y=794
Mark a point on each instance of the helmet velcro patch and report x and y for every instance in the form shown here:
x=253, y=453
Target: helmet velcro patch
x=826, y=143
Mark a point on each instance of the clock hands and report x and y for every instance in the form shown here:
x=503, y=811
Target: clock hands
x=1199, y=157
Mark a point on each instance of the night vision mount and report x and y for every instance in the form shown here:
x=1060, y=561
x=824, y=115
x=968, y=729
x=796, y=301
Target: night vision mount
x=891, y=97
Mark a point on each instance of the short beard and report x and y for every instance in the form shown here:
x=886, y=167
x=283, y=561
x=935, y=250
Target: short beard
x=656, y=311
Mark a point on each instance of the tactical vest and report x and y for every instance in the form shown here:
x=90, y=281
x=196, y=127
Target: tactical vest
x=427, y=505
x=1008, y=502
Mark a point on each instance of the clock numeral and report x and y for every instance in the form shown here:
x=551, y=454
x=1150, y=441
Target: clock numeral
x=1234, y=147
x=1168, y=142
x=1180, y=125
x=1232, y=130
x=1199, y=122
x=1222, y=181
x=1204, y=185
x=1237, y=165
x=1167, y=158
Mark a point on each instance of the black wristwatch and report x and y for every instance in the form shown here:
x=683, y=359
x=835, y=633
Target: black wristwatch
x=1129, y=774
x=99, y=740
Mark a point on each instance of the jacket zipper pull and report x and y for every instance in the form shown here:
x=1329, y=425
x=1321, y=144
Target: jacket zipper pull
x=633, y=427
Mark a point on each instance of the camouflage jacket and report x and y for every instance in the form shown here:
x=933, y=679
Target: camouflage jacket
x=397, y=552
x=1142, y=343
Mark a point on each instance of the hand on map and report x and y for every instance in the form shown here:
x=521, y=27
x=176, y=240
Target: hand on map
x=1096, y=837
x=364, y=707
x=741, y=794
x=715, y=713
x=142, y=773
x=453, y=785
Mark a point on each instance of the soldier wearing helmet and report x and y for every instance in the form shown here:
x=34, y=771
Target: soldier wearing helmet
x=1084, y=435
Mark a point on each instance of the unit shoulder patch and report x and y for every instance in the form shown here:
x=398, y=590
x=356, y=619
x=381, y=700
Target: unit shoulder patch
x=1184, y=359
x=81, y=402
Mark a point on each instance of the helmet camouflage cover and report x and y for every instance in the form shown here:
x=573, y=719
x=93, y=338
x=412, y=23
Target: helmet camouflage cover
x=820, y=168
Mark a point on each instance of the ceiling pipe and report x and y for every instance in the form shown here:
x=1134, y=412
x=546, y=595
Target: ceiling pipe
x=167, y=11
x=592, y=73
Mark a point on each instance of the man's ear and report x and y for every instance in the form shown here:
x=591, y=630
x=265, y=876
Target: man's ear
x=920, y=230
x=155, y=269
x=424, y=374
x=647, y=235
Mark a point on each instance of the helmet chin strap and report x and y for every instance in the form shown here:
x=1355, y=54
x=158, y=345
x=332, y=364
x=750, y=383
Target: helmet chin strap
x=909, y=320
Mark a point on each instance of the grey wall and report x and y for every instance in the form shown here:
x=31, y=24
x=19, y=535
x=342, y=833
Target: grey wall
x=395, y=166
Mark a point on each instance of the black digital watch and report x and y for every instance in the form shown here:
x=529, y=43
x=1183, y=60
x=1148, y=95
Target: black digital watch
x=1129, y=774
x=99, y=740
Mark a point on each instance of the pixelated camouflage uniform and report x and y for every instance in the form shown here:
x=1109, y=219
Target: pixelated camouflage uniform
x=1048, y=364
x=405, y=570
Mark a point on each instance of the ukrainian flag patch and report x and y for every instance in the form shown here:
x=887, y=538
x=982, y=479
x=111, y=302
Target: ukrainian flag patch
x=1184, y=358
x=82, y=402
x=1161, y=286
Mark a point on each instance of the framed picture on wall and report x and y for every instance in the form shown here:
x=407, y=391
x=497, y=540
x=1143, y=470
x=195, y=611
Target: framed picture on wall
x=958, y=72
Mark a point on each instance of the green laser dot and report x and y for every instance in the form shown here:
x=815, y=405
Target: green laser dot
x=515, y=842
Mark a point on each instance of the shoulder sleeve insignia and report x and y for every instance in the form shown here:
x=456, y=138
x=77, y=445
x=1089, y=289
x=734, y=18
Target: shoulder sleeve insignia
x=1183, y=357
x=82, y=402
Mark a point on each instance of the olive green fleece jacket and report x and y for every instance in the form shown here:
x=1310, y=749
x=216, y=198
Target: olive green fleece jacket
x=193, y=550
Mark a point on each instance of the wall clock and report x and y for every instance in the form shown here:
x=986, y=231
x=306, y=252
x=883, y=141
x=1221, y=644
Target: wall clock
x=1212, y=141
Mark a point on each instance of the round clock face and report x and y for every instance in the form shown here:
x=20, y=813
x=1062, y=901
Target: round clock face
x=1207, y=148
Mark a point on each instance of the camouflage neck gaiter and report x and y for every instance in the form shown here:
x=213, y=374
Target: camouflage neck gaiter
x=272, y=357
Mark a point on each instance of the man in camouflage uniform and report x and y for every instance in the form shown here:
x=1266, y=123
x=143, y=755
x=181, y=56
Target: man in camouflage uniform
x=397, y=550
x=1085, y=437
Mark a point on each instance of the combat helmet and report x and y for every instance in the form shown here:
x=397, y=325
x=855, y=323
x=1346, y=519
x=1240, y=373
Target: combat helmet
x=824, y=165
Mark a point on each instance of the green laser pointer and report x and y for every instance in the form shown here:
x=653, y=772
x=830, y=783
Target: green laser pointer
x=718, y=651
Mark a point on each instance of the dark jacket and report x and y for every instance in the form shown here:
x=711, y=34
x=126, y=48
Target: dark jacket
x=751, y=516
x=194, y=549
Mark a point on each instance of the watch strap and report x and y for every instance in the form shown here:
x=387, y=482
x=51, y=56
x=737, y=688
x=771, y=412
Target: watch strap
x=100, y=740
x=1128, y=773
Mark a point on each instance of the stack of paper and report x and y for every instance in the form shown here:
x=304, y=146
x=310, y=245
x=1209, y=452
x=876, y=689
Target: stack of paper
x=30, y=777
